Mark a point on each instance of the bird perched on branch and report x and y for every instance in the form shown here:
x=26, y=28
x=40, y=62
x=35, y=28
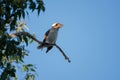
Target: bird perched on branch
x=50, y=36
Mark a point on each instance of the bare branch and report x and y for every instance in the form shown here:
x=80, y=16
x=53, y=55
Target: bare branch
x=66, y=58
x=39, y=42
x=25, y=34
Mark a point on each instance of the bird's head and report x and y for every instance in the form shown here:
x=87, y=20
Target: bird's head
x=57, y=25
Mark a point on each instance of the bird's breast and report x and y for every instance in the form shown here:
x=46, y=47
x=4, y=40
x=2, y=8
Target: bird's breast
x=52, y=37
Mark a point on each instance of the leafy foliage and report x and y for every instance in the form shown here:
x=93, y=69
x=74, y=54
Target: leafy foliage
x=12, y=50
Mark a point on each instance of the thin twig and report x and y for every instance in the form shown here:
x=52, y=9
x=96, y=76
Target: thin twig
x=66, y=58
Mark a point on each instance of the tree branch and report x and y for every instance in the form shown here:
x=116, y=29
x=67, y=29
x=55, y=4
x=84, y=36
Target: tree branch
x=66, y=58
x=39, y=42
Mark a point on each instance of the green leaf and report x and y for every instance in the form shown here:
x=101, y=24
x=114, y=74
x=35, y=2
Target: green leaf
x=23, y=14
x=19, y=38
x=27, y=13
x=32, y=6
x=26, y=40
x=25, y=68
x=21, y=60
x=40, y=6
x=29, y=65
x=33, y=70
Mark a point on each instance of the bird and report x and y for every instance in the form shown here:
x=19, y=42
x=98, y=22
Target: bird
x=50, y=36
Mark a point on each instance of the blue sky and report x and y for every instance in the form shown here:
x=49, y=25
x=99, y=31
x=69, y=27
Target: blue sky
x=90, y=37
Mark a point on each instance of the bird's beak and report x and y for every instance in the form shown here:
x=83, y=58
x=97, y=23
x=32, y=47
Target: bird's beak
x=61, y=25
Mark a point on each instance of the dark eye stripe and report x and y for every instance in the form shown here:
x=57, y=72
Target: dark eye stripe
x=56, y=24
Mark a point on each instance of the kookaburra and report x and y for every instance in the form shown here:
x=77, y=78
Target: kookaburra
x=50, y=36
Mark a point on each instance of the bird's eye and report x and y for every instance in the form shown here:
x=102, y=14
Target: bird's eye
x=56, y=24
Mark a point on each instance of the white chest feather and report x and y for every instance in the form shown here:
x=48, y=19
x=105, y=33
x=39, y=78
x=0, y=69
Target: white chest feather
x=52, y=36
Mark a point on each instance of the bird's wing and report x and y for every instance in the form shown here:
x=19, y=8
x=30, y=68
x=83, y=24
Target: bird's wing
x=45, y=36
